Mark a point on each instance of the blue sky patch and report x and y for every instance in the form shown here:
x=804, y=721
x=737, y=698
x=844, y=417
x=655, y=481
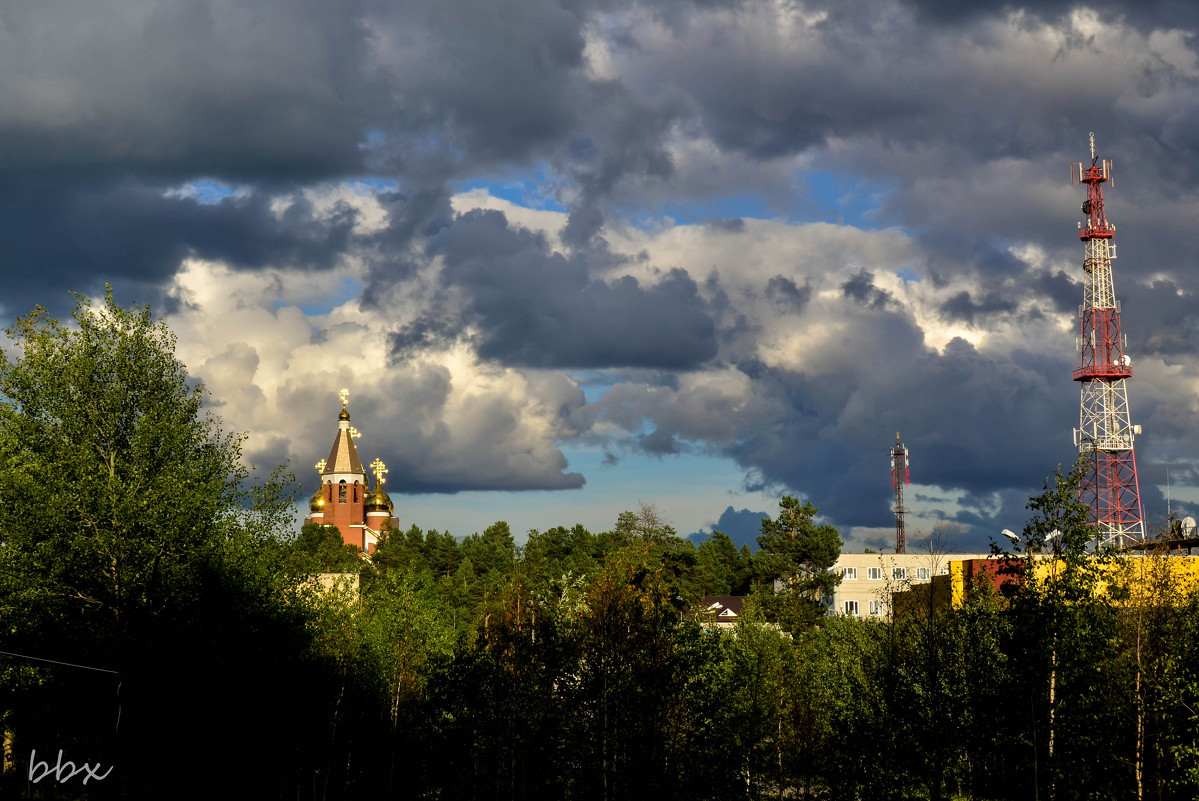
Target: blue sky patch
x=842, y=198
x=206, y=191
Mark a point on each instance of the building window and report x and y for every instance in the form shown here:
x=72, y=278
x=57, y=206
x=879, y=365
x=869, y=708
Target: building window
x=341, y=491
x=851, y=607
x=876, y=607
x=874, y=573
x=355, y=492
x=899, y=573
x=923, y=573
x=850, y=573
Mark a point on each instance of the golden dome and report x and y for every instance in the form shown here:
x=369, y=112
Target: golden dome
x=379, y=501
x=317, y=502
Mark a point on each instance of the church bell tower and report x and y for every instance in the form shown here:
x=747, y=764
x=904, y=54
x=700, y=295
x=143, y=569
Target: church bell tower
x=345, y=499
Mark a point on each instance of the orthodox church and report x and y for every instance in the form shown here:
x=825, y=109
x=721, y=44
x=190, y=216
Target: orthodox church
x=345, y=499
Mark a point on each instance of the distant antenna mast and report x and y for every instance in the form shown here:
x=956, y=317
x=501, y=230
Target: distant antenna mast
x=1105, y=434
x=899, y=477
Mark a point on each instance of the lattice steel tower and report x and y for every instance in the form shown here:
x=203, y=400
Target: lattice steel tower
x=899, y=477
x=1105, y=433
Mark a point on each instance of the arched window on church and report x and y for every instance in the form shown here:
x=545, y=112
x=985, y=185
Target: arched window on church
x=341, y=491
x=355, y=492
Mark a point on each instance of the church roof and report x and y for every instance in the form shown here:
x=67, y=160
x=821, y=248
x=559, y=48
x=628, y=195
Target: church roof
x=343, y=458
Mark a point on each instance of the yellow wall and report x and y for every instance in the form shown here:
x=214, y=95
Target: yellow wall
x=957, y=585
x=1163, y=579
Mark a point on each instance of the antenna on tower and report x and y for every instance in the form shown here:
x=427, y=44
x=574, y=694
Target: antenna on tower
x=1105, y=433
x=1169, y=515
x=899, y=478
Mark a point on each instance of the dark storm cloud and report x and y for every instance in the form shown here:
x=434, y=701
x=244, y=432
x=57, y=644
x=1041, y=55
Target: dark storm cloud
x=115, y=103
x=437, y=439
x=742, y=525
x=103, y=109
x=659, y=442
x=1064, y=291
x=972, y=421
x=437, y=90
x=583, y=224
x=1161, y=319
x=179, y=89
x=1147, y=15
x=77, y=236
x=783, y=291
x=273, y=452
x=989, y=424
x=965, y=308
x=862, y=290
x=970, y=127
x=728, y=225
x=539, y=308
x=963, y=115
x=496, y=80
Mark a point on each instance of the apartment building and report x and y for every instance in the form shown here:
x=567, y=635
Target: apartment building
x=868, y=579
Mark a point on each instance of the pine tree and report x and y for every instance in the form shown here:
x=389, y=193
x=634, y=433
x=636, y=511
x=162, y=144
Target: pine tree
x=794, y=564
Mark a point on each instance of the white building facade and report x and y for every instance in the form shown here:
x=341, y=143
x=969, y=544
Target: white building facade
x=868, y=579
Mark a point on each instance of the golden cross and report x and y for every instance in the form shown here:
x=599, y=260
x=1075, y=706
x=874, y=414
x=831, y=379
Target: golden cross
x=344, y=394
x=320, y=466
x=355, y=433
x=379, y=470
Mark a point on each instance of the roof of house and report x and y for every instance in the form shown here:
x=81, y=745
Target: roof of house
x=724, y=607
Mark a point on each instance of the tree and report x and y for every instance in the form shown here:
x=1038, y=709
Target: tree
x=114, y=472
x=553, y=555
x=627, y=688
x=320, y=549
x=796, y=557
x=128, y=541
x=721, y=568
x=1157, y=640
x=1064, y=650
x=493, y=551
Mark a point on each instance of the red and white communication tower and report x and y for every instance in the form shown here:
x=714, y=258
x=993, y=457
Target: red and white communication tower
x=1105, y=433
x=899, y=477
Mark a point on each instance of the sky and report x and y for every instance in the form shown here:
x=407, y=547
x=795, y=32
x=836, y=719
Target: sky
x=570, y=256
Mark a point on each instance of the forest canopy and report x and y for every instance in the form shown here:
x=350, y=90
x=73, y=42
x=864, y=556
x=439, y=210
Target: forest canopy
x=196, y=655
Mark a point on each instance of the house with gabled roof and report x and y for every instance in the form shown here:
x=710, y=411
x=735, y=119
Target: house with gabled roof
x=720, y=611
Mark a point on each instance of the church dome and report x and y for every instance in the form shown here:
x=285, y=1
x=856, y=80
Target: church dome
x=316, y=503
x=379, y=501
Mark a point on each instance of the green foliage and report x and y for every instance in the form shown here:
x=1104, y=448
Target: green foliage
x=550, y=556
x=1064, y=632
x=114, y=476
x=722, y=569
x=320, y=549
x=796, y=556
x=491, y=553
x=128, y=541
x=566, y=667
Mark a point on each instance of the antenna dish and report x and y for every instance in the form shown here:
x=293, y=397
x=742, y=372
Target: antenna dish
x=1188, y=526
